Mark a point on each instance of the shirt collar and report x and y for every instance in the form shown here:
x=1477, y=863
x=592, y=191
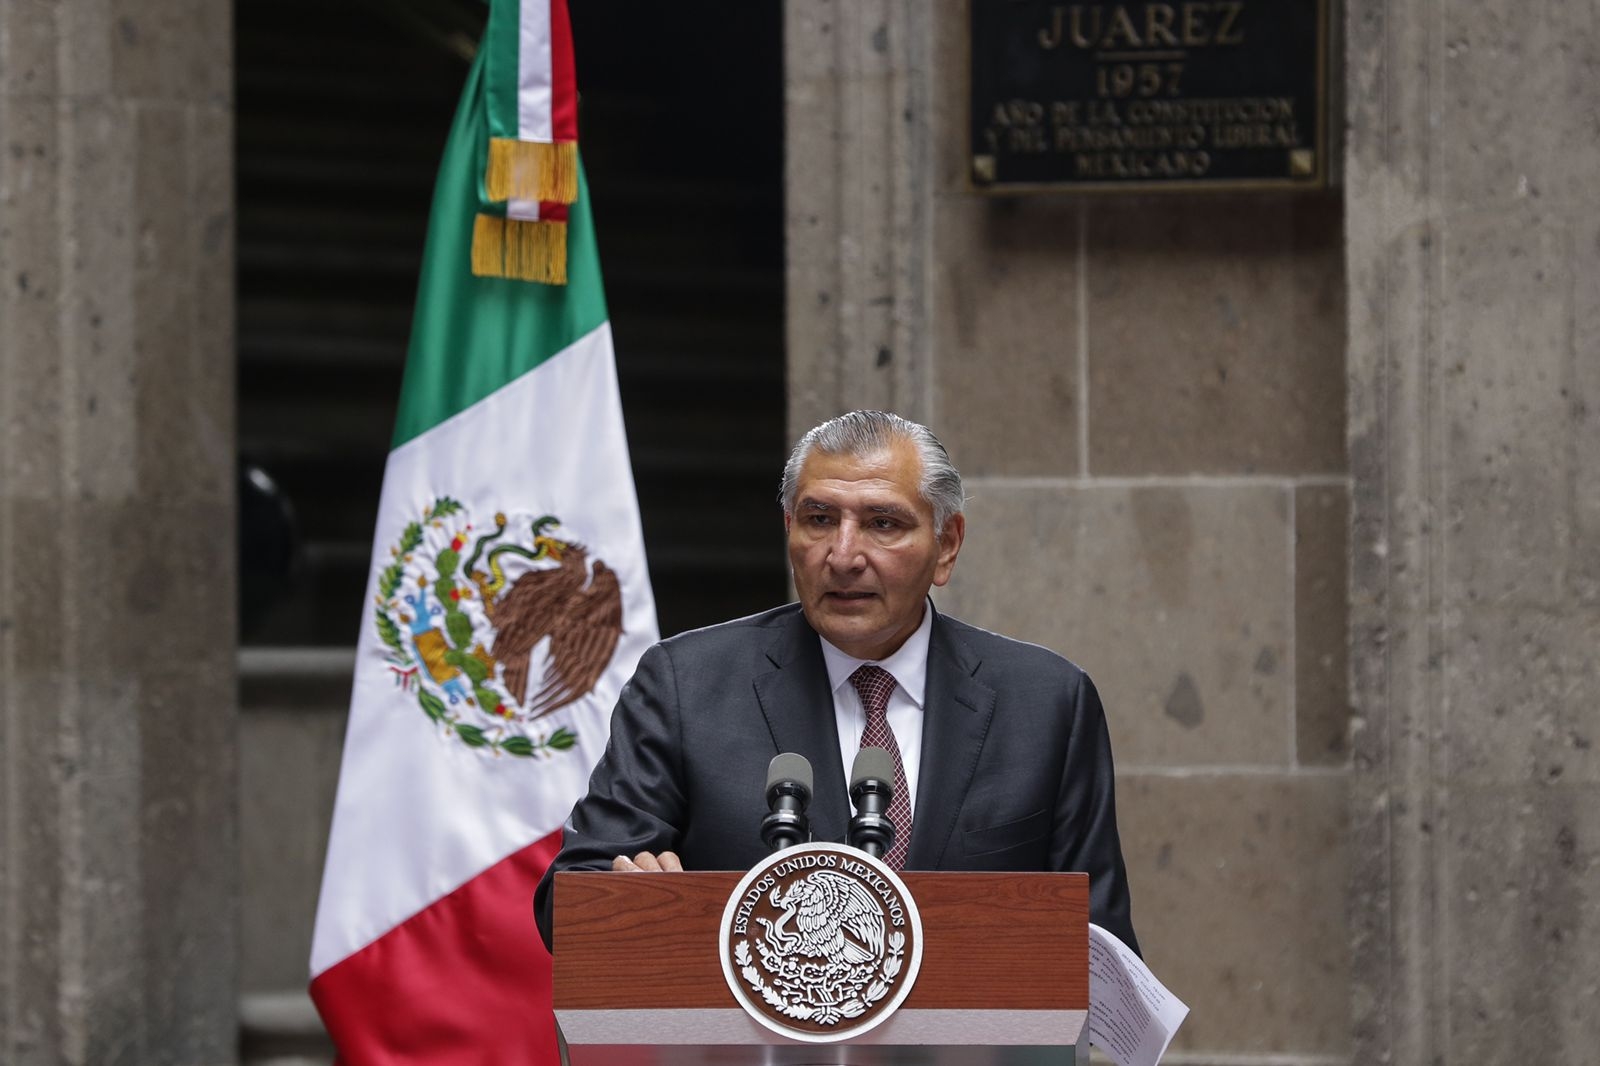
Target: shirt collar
x=909, y=663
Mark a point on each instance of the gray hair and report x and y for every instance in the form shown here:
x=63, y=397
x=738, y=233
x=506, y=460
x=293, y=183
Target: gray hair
x=863, y=433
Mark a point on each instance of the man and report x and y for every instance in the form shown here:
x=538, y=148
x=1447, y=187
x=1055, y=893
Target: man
x=1002, y=745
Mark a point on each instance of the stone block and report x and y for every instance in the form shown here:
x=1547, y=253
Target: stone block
x=808, y=34
x=36, y=880
x=180, y=400
x=85, y=29
x=158, y=696
x=98, y=313
x=121, y=724
x=31, y=401
x=1177, y=600
x=1520, y=922
x=160, y=576
x=1390, y=514
x=109, y=894
x=1504, y=321
x=1584, y=410
x=189, y=848
x=1523, y=689
x=1321, y=632
x=1518, y=121
x=209, y=35
x=28, y=49
x=211, y=236
x=1216, y=336
x=1006, y=306
x=855, y=211
x=37, y=622
x=1238, y=886
x=37, y=764
x=812, y=331
x=948, y=98
x=172, y=50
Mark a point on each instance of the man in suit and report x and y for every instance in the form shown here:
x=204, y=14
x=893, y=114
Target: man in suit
x=1000, y=747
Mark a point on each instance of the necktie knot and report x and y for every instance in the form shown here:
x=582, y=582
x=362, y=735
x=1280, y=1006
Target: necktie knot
x=874, y=685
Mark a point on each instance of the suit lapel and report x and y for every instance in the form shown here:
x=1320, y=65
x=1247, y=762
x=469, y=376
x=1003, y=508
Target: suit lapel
x=798, y=704
x=957, y=713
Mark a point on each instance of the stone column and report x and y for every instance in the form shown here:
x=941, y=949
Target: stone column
x=117, y=690
x=1473, y=260
x=857, y=195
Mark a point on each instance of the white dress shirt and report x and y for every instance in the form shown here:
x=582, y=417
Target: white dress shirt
x=909, y=665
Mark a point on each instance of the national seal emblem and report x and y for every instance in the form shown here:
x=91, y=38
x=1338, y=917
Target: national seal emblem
x=466, y=615
x=820, y=942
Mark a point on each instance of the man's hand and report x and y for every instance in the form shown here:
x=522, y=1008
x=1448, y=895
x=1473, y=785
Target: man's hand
x=667, y=861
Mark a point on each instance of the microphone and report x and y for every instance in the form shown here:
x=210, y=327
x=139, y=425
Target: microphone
x=871, y=790
x=788, y=795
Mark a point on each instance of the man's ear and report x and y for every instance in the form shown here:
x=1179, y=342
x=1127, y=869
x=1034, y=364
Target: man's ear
x=788, y=520
x=955, y=530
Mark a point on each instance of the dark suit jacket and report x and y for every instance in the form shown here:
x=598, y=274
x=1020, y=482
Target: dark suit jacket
x=1016, y=764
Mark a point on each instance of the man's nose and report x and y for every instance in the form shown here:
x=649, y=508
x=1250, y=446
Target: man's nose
x=845, y=552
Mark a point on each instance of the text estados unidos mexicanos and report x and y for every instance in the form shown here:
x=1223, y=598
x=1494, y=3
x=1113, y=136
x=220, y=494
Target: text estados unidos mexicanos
x=769, y=880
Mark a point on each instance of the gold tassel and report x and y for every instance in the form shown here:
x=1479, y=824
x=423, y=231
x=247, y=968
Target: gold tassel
x=536, y=251
x=525, y=249
x=489, y=246
x=532, y=170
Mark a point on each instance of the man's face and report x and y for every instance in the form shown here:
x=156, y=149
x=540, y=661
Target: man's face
x=863, y=548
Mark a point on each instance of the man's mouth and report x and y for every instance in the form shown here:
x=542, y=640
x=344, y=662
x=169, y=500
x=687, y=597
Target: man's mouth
x=851, y=596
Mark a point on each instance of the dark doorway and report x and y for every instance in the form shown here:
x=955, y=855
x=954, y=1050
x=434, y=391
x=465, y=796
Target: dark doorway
x=342, y=113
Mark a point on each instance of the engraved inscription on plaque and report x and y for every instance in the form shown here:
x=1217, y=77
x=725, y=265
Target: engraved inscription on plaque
x=1130, y=94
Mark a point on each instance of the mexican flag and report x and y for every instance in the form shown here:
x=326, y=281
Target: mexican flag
x=508, y=602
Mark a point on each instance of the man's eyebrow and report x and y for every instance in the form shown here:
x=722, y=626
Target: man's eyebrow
x=893, y=510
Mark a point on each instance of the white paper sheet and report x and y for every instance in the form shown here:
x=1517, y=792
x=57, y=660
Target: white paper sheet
x=1132, y=1016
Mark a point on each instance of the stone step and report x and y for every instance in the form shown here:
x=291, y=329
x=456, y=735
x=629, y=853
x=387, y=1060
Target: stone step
x=290, y=678
x=282, y=1029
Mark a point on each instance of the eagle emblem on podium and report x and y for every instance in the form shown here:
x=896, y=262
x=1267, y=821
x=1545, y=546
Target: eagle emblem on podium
x=821, y=942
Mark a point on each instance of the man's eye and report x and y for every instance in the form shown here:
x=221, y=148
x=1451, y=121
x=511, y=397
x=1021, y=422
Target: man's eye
x=820, y=519
x=884, y=523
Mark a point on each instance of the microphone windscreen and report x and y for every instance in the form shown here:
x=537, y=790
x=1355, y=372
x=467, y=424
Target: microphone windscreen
x=872, y=764
x=789, y=767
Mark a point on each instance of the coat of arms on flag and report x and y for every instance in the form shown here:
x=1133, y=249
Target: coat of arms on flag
x=466, y=614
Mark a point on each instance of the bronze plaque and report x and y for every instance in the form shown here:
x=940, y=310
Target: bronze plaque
x=1184, y=93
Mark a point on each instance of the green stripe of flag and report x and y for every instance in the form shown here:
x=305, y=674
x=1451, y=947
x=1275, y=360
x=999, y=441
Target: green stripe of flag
x=471, y=335
x=502, y=45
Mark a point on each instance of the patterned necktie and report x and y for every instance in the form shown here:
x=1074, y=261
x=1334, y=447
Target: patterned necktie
x=875, y=684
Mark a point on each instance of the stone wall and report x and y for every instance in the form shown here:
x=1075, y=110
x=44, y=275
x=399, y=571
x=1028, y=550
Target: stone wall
x=1147, y=396
x=118, y=861
x=1473, y=260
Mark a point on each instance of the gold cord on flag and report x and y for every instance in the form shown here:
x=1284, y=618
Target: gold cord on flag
x=528, y=163
x=532, y=170
x=525, y=249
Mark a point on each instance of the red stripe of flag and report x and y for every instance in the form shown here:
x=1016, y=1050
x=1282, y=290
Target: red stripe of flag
x=463, y=982
x=563, y=80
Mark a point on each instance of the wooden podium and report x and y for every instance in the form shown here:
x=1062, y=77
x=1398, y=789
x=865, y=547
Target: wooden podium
x=1004, y=977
